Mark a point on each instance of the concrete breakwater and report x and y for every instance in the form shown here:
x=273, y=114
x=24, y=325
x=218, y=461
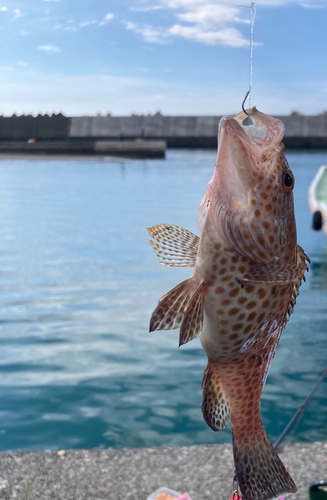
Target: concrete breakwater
x=205, y=472
x=87, y=147
x=302, y=131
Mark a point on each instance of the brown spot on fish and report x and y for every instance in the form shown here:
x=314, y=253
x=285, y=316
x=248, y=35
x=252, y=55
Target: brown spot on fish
x=223, y=270
x=226, y=302
x=242, y=300
x=249, y=288
x=251, y=316
x=250, y=305
x=261, y=293
x=237, y=327
x=257, y=213
x=233, y=311
x=219, y=290
x=234, y=292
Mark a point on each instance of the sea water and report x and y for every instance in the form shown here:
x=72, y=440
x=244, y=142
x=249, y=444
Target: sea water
x=78, y=284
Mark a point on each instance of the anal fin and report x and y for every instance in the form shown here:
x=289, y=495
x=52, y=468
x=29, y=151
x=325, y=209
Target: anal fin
x=215, y=407
x=173, y=245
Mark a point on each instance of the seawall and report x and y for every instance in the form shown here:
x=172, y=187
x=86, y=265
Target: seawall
x=205, y=472
x=77, y=134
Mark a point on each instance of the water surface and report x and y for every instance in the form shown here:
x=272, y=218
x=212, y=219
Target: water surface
x=78, y=284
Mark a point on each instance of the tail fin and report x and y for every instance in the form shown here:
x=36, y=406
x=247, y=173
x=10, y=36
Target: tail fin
x=260, y=473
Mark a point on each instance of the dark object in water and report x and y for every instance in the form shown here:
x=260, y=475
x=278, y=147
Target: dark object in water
x=317, y=221
x=318, y=491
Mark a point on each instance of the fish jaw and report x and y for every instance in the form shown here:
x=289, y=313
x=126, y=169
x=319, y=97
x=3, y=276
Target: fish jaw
x=247, y=199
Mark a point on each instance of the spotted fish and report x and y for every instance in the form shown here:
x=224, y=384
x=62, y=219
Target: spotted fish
x=247, y=272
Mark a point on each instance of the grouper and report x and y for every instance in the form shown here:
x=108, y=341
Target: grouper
x=247, y=272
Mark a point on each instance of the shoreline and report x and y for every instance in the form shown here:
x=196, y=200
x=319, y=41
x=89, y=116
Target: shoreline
x=204, y=471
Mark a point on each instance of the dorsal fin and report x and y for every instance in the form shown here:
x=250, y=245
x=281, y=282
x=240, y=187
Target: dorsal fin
x=301, y=260
x=215, y=407
x=173, y=245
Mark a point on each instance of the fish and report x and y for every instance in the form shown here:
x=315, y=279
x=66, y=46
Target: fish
x=248, y=269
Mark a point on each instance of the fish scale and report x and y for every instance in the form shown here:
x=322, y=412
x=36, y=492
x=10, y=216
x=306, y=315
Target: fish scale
x=248, y=270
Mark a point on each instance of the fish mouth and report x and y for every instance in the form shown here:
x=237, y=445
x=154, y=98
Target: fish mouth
x=245, y=142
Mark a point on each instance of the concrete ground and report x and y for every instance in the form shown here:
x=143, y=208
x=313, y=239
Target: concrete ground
x=205, y=472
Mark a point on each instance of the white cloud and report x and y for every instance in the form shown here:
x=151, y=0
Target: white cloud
x=51, y=0
x=49, y=48
x=18, y=13
x=228, y=36
x=148, y=33
x=205, y=21
x=212, y=15
x=146, y=9
x=23, y=64
x=211, y=22
x=4, y=9
x=107, y=19
x=312, y=6
x=83, y=24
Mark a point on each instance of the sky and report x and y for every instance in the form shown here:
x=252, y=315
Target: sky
x=179, y=57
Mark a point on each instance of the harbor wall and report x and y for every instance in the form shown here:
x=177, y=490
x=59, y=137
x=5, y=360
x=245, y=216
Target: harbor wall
x=302, y=131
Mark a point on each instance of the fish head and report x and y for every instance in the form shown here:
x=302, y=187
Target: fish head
x=249, y=198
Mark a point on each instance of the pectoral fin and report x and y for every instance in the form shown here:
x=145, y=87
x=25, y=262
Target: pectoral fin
x=277, y=274
x=192, y=317
x=181, y=307
x=173, y=245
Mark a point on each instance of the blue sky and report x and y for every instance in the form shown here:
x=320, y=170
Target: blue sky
x=188, y=57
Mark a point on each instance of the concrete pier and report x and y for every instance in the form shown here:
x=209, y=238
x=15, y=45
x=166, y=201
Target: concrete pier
x=205, y=472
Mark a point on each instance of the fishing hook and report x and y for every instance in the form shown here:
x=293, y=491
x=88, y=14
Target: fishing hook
x=243, y=103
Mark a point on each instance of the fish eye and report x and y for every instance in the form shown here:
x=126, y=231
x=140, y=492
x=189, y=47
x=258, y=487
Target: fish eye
x=288, y=182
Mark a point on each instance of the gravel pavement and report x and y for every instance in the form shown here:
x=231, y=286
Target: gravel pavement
x=205, y=472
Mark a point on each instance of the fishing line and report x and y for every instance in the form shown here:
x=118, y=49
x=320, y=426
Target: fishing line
x=300, y=411
x=253, y=13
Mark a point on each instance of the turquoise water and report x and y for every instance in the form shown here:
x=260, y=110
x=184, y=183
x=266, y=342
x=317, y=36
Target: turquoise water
x=78, y=283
